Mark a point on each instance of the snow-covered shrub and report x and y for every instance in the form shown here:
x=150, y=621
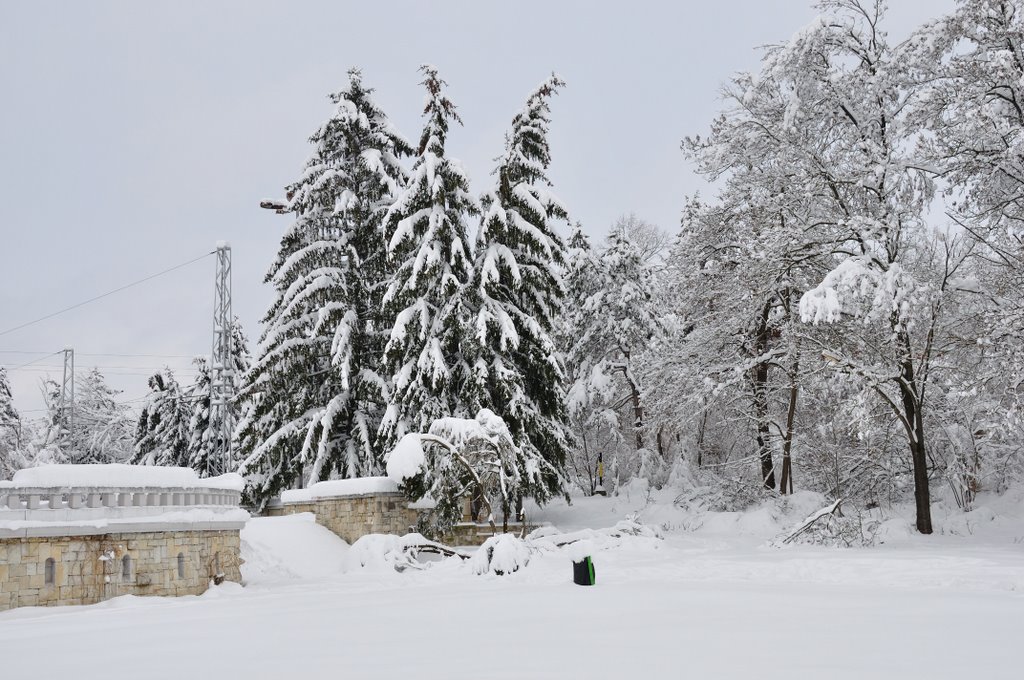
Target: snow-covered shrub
x=714, y=492
x=835, y=526
x=501, y=554
x=389, y=552
x=466, y=457
x=633, y=527
x=850, y=530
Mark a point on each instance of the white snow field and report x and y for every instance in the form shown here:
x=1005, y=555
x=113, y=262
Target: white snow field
x=714, y=601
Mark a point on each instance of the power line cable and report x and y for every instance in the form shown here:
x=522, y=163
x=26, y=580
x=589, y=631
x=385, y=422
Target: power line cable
x=88, y=366
x=105, y=354
x=35, y=361
x=108, y=293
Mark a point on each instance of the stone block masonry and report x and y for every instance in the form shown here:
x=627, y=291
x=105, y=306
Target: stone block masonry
x=93, y=568
x=353, y=508
x=352, y=517
x=355, y=515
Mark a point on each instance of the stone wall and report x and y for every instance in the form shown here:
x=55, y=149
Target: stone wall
x=352, y=517
x=89, y=569
x=289, y=509
x=355, y=516
x=470, y=533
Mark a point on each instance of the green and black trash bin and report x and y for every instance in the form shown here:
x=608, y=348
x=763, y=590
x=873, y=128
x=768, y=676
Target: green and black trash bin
x=583, y=572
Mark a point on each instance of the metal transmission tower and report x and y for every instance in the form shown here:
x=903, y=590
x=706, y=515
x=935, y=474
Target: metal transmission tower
x=66, y=406
x=222, y=376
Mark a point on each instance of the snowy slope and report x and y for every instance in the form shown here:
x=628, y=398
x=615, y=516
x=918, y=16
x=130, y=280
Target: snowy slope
x=288, y=548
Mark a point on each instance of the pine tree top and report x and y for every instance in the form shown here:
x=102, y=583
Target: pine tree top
x=439, y=110
x=528, y=153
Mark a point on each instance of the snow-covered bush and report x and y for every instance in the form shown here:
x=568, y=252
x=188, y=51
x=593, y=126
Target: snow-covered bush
x=389, y=552
x=501, y=554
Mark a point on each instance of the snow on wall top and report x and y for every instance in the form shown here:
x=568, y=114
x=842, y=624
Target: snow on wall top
x=340, y=487
x=116, y=474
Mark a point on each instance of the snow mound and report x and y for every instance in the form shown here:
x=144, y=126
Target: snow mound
x=585, y=542
x=501, y=554
x=406, y=459
x=118, y=474
x=293, y=547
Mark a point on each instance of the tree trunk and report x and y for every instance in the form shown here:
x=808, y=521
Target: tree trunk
x=915, y=435
x=634, y=397
x=764, y=450
x=786, y=484
x=700, y=434
x=760, y=389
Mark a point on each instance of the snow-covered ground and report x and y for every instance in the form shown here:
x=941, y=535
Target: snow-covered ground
x=710, y=600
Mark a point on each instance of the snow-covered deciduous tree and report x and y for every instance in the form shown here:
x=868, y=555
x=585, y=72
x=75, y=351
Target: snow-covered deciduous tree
x=316, y=392
x=652, y=243
x=103, y=427
x=428, y=245
x=517, y=294
x=162, y=431
x=595, y=427
x=603, y=336
x=970, y=64
x=815, y=262
x=617, y=322
x=95, y=429
x=467, y=458
x=731, y=281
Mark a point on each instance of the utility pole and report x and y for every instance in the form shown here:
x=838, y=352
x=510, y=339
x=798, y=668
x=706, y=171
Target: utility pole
x=67, y=391
x=222, y=377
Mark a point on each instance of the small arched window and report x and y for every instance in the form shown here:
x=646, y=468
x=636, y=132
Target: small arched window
x=126, y=567
x=50, y=571
x=181, y=565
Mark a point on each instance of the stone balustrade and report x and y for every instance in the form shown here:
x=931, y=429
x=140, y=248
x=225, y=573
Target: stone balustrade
x=32, y=499
x=80, y=509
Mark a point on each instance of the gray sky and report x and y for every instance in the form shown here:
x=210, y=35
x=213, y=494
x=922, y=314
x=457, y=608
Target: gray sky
x=134, y=135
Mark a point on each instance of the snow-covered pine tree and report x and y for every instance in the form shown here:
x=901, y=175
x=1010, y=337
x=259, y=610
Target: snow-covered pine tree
x=315, y=389
x=10, y=427
x=205, y=437
x=518, y=291
x=426, y=295
x=161, y=436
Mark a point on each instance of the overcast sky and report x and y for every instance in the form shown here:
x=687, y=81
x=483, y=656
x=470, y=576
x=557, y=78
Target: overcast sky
x=135, y=135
